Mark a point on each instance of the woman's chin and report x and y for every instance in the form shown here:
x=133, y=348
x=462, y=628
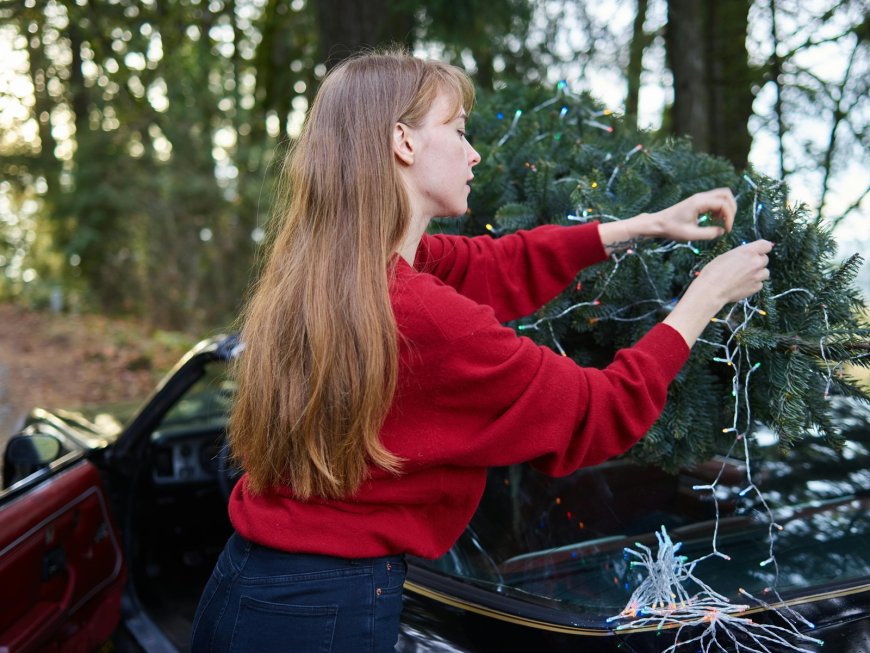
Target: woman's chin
x=454, y=211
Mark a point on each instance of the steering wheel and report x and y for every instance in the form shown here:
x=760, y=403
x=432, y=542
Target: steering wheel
x=228, y=473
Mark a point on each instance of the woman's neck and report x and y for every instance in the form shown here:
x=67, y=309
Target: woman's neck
x=408, y=247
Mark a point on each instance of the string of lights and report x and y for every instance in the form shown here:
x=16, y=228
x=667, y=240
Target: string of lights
x=632, y=249
x=562, y=92
x=662, y=599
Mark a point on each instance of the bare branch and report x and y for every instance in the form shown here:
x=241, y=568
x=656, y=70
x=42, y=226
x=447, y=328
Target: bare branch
x=775, y=72
x=852, y=207
x=810, y=43
x=832, y=139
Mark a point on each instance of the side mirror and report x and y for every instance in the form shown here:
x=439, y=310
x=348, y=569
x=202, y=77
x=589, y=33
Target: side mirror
x=26, y=454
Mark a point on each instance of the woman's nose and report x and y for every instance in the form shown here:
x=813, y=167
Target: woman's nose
x=474, y=157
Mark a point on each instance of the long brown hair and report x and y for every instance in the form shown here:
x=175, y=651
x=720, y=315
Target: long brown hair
x=319, y=369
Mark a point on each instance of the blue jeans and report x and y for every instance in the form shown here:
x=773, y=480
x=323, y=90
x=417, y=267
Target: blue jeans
x=260, y=600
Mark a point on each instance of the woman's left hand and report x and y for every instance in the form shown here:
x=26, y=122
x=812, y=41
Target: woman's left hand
x=703, y=216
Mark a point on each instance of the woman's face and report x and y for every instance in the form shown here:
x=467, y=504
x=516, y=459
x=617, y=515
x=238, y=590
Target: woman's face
x=441, y=162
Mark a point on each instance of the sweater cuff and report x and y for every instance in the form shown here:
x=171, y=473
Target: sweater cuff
x=667, y=347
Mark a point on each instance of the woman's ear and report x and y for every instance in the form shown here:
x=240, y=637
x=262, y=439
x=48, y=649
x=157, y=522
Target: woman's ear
x=403, y=146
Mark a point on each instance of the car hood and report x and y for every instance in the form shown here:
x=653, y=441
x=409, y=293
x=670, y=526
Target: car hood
x=93, y=427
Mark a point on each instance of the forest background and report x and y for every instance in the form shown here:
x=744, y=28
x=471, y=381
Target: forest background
x=139, y=139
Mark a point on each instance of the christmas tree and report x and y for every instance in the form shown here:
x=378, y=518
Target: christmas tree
x=553, y=157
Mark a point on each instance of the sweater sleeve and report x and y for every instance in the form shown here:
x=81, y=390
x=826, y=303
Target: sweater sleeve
x=491, y=398
x=515, y=274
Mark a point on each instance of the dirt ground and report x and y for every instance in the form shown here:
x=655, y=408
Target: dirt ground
x=61, y=360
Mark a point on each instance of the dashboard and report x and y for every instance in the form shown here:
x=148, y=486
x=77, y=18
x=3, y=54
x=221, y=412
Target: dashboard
x=186, y=456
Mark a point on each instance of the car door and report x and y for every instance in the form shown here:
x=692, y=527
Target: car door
x=61, y=563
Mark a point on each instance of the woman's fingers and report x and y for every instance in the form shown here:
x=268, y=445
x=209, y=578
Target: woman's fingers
x=718, y=203
x=738, y=273
x=729, y=277
x=726, y=206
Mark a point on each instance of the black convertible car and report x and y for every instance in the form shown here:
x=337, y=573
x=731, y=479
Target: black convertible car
x=109, y=527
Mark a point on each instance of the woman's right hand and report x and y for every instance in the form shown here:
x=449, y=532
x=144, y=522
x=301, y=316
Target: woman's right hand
x=729, y=277
x=737, y=273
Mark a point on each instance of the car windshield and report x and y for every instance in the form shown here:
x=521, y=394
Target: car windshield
x=206, y=403
x=561, y=542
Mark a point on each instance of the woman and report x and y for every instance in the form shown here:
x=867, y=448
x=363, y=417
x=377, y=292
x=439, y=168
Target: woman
x=378, y=384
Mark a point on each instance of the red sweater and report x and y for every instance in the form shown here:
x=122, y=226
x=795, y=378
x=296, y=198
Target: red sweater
x=472, y=394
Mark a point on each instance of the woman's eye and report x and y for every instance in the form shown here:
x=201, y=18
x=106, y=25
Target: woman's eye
x=465, y=135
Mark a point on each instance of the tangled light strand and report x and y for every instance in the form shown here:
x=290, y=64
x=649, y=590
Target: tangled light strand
x=709, y=610
x=663, y=599
x=714, y=613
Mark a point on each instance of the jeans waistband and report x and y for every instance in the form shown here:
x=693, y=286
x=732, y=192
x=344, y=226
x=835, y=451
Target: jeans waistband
x=241, y=549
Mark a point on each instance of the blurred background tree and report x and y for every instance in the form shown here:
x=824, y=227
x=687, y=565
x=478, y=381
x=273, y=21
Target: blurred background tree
x=138, y=138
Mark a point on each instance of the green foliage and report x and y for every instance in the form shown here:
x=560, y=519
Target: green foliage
x=564, y=160
x=485, y=29
x=156, y=127
x=149, y=205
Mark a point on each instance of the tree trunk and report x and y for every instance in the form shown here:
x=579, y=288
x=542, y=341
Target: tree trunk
x=687, y=55
x=639, y=41
x=775, y=76
x=730, y=80
x=485, y=61
x=79, y=94
x=347, y=26
x=706, y=43
x=49, y=166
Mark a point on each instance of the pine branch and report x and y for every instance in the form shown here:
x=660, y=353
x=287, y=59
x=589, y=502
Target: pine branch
x=555, y=157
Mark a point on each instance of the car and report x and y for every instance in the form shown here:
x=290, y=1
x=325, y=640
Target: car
x=110, y=525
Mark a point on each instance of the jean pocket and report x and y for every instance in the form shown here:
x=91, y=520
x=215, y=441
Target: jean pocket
x=265, y=627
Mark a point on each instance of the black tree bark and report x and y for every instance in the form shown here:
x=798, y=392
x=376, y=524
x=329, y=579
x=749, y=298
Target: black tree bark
x=346, y=26
x=706, y=44
x=639, y=41
x=729, y=80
